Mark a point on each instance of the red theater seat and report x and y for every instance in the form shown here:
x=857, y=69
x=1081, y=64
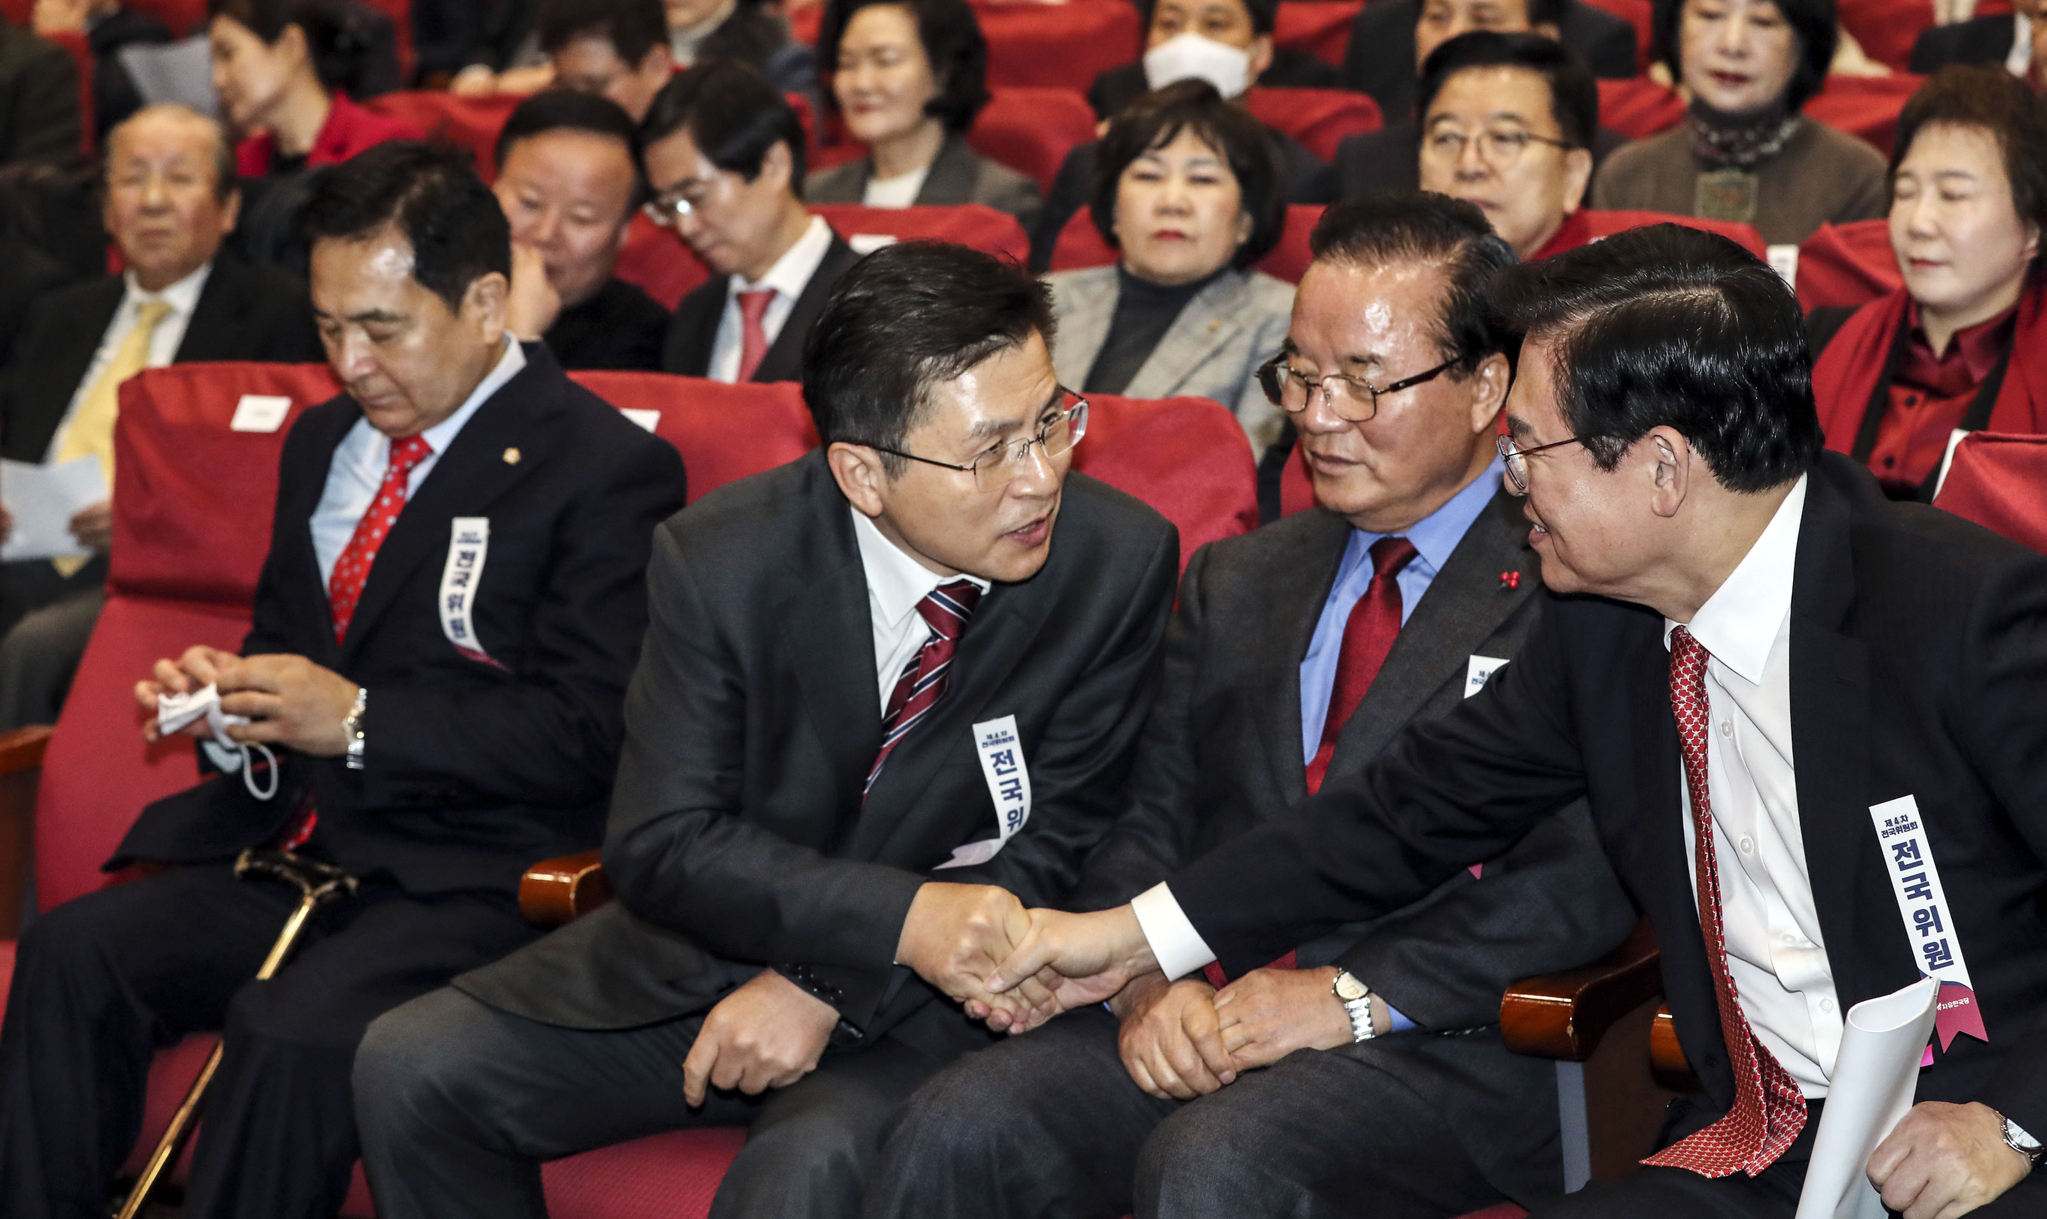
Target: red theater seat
x=1318, y=118
x=472, y=122
x=1864, y=106
x=1847, y=264
x=1638, y=107
x=659, y=262
x=1031, y=130
x=1999, y=481
x=724, y=432
x=969, y=224
x=1080, y=245
x=1607, y=222
x=1186, y=457
x=1058, y=46
x=1886, y=29
x=1319, y=27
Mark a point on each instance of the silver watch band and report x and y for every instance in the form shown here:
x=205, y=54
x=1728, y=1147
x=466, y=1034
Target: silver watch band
x=2016, y=1138
x=352, y=728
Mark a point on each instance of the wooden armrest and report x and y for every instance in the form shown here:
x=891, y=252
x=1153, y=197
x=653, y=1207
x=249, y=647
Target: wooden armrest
x=1667, y=1057
x=557, y=891
x=1564, y=1015
x=22, y=749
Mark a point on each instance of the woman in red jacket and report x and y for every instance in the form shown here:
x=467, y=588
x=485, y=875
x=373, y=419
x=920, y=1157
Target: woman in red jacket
x=276, y=64
x=1962, y=346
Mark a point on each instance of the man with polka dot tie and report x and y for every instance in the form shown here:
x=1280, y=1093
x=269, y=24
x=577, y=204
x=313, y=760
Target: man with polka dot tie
x=432, y=754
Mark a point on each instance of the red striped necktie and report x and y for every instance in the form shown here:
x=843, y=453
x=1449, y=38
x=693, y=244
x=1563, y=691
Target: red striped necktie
x=1769, y=1110
x=946, y=610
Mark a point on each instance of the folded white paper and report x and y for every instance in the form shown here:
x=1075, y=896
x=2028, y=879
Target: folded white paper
x=1875, y=1075
x=43, y=499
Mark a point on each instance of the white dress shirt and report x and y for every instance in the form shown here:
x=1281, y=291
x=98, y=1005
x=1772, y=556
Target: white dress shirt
x=182, y=297
x=1776, y=957
x=357, y=471
x=899, y=191
x=788, y=277
x=895, y=584
x=2020, y=60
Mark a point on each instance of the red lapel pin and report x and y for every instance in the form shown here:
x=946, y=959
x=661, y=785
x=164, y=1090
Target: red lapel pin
x=1511, y=579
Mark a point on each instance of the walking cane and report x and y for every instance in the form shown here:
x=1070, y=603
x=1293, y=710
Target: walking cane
x=317, y=883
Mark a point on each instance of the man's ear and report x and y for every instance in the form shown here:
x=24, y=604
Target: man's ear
x=777, y=169
x=862, y=480
x=484, y=304
x=1577, y=176
x=1260, y=52
x=1489, y=385
x=1671, y=465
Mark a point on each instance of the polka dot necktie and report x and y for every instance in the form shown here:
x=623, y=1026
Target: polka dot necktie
x=344, y=587
x=945, y=610
x=1769, y=1110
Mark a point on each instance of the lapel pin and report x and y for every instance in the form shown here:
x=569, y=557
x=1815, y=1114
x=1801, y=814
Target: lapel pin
x=1510, y=579
x=512, y=457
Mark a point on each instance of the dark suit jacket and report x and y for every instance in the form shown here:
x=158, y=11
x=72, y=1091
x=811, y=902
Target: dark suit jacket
x=1917, y=667
x=1222, y=755
x=694, y=329
x=244, y=312
x=1390, y=159
x=620, y=327
x=1980, y=40
x=474, y=771
x=1380, y=60
x=1114, y=88
x=957, y=175
x=738, y=834
x=39, y=114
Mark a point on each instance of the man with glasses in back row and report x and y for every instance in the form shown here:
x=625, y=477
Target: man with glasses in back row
x=1364, y=1071
x=875, y=701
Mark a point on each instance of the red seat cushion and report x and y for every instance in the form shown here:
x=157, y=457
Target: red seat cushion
x=1999, y=481
x=975, y=225
x=1081, y=245
x=660, y=262
x=1864, y=106
x=1186, y=457
x=1886, y=29
x=472, y=122
x=1318, y=27
x=1639, y=107
x=1031, y=130
x=1847, y=264
x=1319, y=118
x=1058, y=46
x=1607, y=222
x=724, y=432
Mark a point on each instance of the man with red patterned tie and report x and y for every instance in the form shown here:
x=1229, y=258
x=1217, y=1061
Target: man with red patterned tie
x=1808, y=721
x=724, y=156
x=1296, y=654
x=442, y=634
x=886, y=687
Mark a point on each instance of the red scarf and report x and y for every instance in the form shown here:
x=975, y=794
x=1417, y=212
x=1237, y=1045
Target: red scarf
x=1847, y=372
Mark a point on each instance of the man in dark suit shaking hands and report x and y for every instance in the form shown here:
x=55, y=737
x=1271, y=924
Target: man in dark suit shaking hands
x=1775, y=667
x=883, y=684
x=443, y=629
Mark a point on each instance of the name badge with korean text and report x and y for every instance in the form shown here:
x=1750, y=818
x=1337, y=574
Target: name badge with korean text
x=1478, y=671
x=1009, y=785
x=1922, y=904
x=468, y=545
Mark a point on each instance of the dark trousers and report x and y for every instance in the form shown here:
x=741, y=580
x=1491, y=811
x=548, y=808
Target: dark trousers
x=459, y=1103
x=1050, y=1124
x=28, y=585
x=103, y=981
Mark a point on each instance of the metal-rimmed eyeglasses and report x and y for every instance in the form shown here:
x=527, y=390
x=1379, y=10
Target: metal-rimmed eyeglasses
x=1516, y=459
x=1001, y=464
x=1350, y=399
x=668, y=209
x=1496, y=146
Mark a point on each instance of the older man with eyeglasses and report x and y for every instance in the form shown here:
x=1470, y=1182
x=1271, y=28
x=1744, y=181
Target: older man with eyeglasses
x=1329, y=1082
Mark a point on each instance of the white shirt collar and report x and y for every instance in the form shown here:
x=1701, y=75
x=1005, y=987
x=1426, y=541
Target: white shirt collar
x=182, y=296
x=792, y=271
x=2020, y=58
x=895, y=581
x=1738, y=624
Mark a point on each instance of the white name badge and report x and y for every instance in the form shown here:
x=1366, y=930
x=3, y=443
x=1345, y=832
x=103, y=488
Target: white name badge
x=1476, y=673
x=259, y=413
x=1783, y=259
x=1009, y=785
x=468, y=546
x=1929, y=927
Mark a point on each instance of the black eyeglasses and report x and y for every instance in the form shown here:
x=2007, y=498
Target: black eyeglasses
x=1516, y=458
x=1348, y=398
x=1001, y=464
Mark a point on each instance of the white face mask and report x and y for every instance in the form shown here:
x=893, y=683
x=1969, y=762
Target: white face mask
x=1189, y=55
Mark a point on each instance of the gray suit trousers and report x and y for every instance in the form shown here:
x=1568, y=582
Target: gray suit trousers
x=1050, y=1124
x=458, y=1103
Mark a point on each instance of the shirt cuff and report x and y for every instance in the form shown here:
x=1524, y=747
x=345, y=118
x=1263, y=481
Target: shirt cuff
x=1399, y=1022
x=1179, y=948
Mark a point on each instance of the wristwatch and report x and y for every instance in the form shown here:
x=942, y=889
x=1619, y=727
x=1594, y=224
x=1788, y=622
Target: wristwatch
x=2016, y=1138
x=1356, y=998
x=351, y=727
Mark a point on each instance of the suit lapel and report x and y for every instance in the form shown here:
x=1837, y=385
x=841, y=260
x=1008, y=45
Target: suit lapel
x=828, y=629
x=952, y=176
x=784, y=358
x=1085, y=324
x=1205, y=324
x=50, y=379
x=1466, y=602
x=219, y=313
x=694, y=330
x=299, y=563
x=465, y=479
x=1300, y=588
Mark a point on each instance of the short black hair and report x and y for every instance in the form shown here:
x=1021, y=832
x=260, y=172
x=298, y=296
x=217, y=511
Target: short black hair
x=632, y=27
x=1548, y=12
x=432, y=195
x=573, y=110
x=904, y=319
x=1812, y=24
x=1264, y=14
x=953, y=44
x=340, y=37
x=1671, y=326
x=1573, y=93
x=1989, y=99
x=734, y=115
x=226, y=168
x=1421, y=226
x=1157, y=119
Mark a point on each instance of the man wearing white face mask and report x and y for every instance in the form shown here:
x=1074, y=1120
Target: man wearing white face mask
x=1227, y=43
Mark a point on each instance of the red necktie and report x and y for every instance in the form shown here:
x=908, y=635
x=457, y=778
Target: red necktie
x=753, y=337
x=1367, y=636
x=344, y=587
x=1769, y=1110
x=946, y=610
